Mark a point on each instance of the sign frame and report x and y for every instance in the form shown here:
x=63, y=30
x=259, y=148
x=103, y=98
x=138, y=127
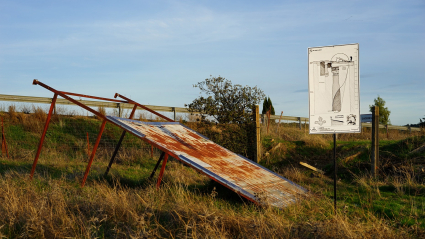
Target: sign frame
x=334, y=101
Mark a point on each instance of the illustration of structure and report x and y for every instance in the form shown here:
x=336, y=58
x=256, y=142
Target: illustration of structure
x=334, y=92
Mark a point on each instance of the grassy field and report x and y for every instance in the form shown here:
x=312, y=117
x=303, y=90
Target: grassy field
x=126, y=204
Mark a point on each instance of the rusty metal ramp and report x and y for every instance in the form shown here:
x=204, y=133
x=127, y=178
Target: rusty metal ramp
x=236, y=172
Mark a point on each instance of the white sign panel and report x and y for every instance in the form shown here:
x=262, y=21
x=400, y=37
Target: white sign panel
x=333, y=86
x=366, y=118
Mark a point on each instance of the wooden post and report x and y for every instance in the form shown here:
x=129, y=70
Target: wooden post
x=386, y=127
x=268, y=119
x=174, y=111
x=281, y=113
x=299, y=122
x=375, y=141
x=119, y=110
x=257, y=133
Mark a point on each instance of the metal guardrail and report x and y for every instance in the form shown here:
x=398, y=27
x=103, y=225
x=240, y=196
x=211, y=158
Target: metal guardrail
x=93, y=103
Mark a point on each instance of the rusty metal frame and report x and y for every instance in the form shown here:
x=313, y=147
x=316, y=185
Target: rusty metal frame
x=161, y=173
x=65, y=95
x=143, y=107
x=165, y=152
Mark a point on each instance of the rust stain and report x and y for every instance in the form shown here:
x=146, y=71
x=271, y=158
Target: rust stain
x=243, y=173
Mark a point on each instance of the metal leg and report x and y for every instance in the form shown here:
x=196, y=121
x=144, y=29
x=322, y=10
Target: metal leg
x=115, y=153
x=119, y=143
x=157, y=164
x=335, y=173
x=46, y=126
x=3, y=140
x=88, y=145
x=161, y=173
x=102, y=127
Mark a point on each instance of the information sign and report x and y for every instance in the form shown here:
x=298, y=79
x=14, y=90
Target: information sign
x=333, y=86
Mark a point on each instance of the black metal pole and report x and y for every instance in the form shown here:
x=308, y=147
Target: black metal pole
x=157, y=164
x=335, y=173
x=115, y=153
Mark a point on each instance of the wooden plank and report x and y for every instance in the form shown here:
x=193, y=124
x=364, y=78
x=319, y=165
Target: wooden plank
x=257, y=133
x=312, y=168
x=375, y=141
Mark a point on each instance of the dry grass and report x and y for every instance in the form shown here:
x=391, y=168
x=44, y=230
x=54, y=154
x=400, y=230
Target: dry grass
x=12, y=113
x=51, y=208
x=187, y=206
x=101, y=110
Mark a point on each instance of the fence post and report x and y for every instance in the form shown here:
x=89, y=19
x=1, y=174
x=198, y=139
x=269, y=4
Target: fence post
x=375, y=140
x=278, y=125
x=174, y=111
x=386, y=127
x=119, y=110
x=257, y=134
x=299, y=122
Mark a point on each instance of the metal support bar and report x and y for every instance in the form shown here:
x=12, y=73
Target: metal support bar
x=3, y=140
x=143, y=107
x=36, y=82
x=157, y=164
x=161, y=173
x=119, y=143
x=46, y=126
x=335, y=173
x=92, y=97
x=102, y=127
x=111, y=161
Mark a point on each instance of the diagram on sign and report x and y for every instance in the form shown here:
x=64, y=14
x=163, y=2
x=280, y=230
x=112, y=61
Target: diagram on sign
x=334, y=88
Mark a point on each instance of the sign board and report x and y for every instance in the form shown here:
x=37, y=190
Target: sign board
x=333, y=86
x=366, y=118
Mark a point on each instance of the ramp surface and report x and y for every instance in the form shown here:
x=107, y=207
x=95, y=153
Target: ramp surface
x=236, y=172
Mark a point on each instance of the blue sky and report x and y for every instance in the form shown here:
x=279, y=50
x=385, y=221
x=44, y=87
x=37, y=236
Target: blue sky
x=154, y=51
